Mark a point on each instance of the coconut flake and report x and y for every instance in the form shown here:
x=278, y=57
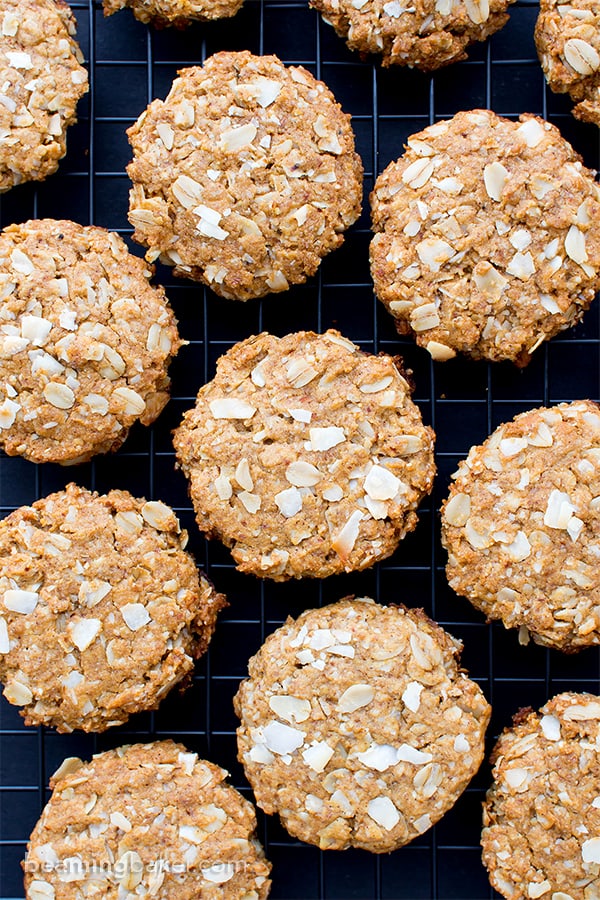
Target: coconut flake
x=355, y=697
x=412, y=695
x=317, y=756
x=21, y=601
x=550, y=726
x=325, y=438
x=383, y=811
x=135, y=615
x=282, y=739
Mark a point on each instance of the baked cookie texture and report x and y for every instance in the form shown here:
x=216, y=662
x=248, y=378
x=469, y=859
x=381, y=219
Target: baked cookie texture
x=427, y=34
x=145, y=820
x=358, y=726
x=305, y=456
x=178, y=13
x=102, y=611
x=567, y=37
x=487, y=237
x=245, y=176
x=542, y=813
x=41, y=79
x=521, y=525
x=85, y=341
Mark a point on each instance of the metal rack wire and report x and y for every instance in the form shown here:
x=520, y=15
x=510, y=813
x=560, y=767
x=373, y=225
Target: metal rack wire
x=130, y=64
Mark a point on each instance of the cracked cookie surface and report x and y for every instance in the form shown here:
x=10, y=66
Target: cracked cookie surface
x=145, y=820
x=101, y=609
x=245, y=176
x=358, y=726
x=487, y=237
x=542, y=813
x=521, y=525
x=425, y=33
x=567, y=37
x=175, y=12
x=41, y=80
x=85, y=341
x=305, y=456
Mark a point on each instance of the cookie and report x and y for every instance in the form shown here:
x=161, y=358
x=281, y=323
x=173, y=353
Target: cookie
x=567, y=37
x=175, y=12
x=305, y=456
x=358, y=726
x=429, y=34
x=101, y=609
x=41, y=80
x=542, y=813
x=85, y=342
x=145, y=820
x=521, y=525
x=245, y=176
x=487, y=237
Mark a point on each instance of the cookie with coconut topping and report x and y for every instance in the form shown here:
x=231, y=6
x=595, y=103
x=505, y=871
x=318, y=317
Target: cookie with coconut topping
x=487, y=237
x=567, y=37
x=425, y=33
x=41, y=80
x=145, y=820
x=245, y=176
x=175, y=12
x=102, y=611
x=85, y=341
x=358, y=726
x=542, y=812
x=305, y=456
x=521, y=525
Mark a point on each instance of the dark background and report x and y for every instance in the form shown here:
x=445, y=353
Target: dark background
x=130, y=64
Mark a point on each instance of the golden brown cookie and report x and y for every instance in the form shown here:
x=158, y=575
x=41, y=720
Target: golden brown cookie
x=542, y=813
x=521, y=525
x=487, y=237
x=567, y=36
x=101, y=609
x=175, y=12
x=85, y=341
x=305, y=456
x=41, y=80
x=425, y=33
x=245, y=176
x=145, y=820
x=358, y=726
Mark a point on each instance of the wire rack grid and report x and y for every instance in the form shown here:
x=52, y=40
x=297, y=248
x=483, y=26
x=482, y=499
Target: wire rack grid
x=130, y=64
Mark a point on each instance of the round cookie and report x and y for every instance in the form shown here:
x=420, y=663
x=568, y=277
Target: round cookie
x=432, y=33
x=542, y=813
x=487, y=237
x=245, y=176
x=85, y=341
x=305, y=456
x=101, y=609
x=145, y=820
x=567, y=37
x=521, y=525
x=175, y=12
x=42, y=80
x=358, y=726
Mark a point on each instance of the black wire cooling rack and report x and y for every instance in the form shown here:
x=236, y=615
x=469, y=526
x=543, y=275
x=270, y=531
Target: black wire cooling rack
x=129, y=65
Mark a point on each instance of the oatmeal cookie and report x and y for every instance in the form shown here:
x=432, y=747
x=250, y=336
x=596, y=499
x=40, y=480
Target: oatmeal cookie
x=145, y=820
x=358, y=726
x=542, y=813
x=245, y=176
x=305, y=456
x=101, y=609
x=567, y=37
x=85, y=342
x=41, y=80
x=488, y=237
x=175, y=12
x=429, y=34
x=521, y=525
